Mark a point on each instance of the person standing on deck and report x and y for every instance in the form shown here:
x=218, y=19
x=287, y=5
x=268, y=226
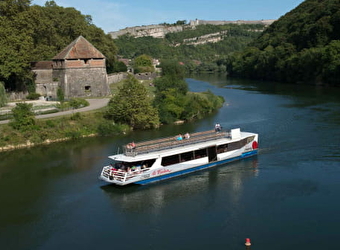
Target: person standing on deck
x=218, y=127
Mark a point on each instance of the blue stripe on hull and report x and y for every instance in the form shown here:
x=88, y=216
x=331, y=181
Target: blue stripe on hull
x=194, y=169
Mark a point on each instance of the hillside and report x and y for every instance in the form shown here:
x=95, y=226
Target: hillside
x=302, y=46
x=207, y=43
x=160, y=30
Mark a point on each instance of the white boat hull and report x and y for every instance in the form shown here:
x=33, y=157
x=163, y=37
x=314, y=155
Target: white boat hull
x=158, y=172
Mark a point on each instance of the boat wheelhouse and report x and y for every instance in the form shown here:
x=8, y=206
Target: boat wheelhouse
x=156, y=160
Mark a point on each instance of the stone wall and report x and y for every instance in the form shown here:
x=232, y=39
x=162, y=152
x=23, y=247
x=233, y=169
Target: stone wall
x=43, y=75
x=146, y=76
x=14, y=96
x=84, y=82
x=202, y=22
x=114, y=78
x=117, y=77
x=48, y=90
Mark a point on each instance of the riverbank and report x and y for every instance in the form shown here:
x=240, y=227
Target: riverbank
x=56, y=129
x=29, y=144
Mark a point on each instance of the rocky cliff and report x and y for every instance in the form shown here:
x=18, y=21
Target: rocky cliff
x=159, y=31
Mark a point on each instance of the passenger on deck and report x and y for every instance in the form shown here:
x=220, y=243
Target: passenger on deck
x=113, y=168
x=179, y=137
x=187, y=136
x=218, y=127
x=131, y=146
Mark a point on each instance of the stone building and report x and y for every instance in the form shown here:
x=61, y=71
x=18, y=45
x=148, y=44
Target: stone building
x=79, y=70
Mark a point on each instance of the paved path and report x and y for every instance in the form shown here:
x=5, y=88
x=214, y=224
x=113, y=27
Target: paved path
x=94, y=104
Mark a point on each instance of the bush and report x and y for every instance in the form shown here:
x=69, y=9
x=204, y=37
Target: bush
x=50, y=123
x=63, y=106
x=60, y=94
x=3, y=95
x=76, y=117
x=109, y=128
x=77, y=103
x=23, y=117
x=73, y=134
x=33, y=96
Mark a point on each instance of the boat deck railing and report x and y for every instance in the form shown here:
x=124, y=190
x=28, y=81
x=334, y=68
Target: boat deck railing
x=121, y=176
x=172, y=142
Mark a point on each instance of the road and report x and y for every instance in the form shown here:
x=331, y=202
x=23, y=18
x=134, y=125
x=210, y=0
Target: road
x=94, y=104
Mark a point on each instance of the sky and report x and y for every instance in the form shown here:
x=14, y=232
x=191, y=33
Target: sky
x=113, y=15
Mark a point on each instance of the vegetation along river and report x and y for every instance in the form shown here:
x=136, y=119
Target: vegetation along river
x=285, y=198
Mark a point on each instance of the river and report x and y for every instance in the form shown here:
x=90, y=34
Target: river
x=284, y=198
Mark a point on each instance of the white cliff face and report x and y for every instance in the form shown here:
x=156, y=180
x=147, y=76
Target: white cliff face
x=156, y=31
x=159, y=31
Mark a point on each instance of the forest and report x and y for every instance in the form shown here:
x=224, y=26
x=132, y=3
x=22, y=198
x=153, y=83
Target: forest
x=303, y=46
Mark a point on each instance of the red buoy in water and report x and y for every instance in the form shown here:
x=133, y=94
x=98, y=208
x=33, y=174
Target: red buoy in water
x=248, y=243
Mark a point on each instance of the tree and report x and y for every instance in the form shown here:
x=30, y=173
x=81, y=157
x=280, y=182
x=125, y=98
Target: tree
x=60, y=95
x=143, y=63
x=132, y=106
x=300, y=47
x=23, y=117
x=166, y=82
x=119, y=66
x=172, y=68
x=3, y=95
x=16, y=44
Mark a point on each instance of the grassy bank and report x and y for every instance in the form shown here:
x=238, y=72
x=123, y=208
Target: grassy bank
x=73, y=126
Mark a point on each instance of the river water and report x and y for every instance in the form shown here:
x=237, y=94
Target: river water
x=287, y=197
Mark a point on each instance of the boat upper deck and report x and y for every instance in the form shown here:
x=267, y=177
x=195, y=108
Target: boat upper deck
x=172, y=142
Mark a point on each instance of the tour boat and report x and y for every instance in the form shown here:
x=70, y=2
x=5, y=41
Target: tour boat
x=156, y=160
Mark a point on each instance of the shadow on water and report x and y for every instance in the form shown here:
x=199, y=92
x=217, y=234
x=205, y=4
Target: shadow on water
x=302, y=95
x=136, y=197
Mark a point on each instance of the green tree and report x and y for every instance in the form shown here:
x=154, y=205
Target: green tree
x=301, y=47
x=23, y=117
x=170, y=104
x=173, y=69
x=60, y=95
x=143, y=63
x=166, y=82
x=3, y=95
x=119, y=66
x=132, y=106
x=16, y=44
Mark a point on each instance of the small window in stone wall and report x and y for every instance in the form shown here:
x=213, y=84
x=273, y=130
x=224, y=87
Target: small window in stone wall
x=87, y=88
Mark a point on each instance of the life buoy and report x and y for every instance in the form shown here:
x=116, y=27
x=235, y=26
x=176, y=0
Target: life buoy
x=255, y=145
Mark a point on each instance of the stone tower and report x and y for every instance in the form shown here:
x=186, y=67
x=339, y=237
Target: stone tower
x=80, y=70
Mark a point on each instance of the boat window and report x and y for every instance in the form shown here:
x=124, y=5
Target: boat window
x=142, y=164
x=200, y=153
x=188, y=156
x=250, y=138
x=237, y=144
x=169, y=160
x=222, y=148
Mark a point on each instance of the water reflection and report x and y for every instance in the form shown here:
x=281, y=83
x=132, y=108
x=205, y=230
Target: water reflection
x=158, y=195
